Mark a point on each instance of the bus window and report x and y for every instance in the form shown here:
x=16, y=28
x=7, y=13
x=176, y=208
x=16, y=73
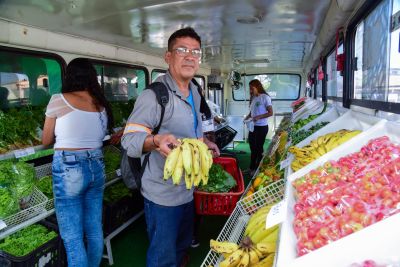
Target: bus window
x=28, y=78
x=377, y=70
x=121, y=83
x=278, y=86
x=156, y=73
x=334, y=83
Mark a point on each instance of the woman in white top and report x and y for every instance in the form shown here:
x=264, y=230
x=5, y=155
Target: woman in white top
x=76, y=123
x=260, y=110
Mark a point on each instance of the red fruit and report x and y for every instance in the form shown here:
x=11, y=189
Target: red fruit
x=358, y=206
x=319, y=242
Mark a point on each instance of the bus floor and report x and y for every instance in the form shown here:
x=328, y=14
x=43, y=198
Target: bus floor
x=130, y=246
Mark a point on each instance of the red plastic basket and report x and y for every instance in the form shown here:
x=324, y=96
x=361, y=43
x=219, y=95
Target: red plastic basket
x=221, y=203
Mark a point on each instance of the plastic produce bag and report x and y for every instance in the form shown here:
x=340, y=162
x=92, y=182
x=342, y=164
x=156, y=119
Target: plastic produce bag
x=249, y=124
x=344, y=196
x=24, y=178
x=8, y=203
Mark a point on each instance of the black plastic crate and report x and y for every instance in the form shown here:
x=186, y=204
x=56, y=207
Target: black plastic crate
x=224, y=136
x=50, y=254
x=117, y=213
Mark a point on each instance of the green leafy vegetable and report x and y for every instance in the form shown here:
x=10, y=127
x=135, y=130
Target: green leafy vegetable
x=219, y=180
x=27, y=240
x=8, y=203
x=24, y=178
x=115, y=192
x=112, y=159
x=45, y=185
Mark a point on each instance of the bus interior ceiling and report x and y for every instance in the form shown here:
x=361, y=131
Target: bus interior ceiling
x=254, y=36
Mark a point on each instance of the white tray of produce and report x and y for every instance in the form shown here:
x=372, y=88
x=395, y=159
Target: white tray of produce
x=330, y=115
x=309, y=108
x=378, y=241
x=351, y=120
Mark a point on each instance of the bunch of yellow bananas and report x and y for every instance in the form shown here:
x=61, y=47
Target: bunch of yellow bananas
x=190, y=159
x=256, y=230
x=319, y=146
x=244, y=255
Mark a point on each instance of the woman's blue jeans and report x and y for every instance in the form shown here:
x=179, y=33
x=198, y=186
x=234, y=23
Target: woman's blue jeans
x=78, y=185
x=170, y=231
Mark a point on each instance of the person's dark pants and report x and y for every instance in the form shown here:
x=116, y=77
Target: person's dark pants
x=170, y=232
x=256, y=141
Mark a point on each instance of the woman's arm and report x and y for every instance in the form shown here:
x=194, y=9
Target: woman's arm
x=48, y=131
x=265, y=115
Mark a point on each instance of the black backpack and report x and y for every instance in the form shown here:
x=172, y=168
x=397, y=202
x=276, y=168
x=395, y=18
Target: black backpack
x=131, y=168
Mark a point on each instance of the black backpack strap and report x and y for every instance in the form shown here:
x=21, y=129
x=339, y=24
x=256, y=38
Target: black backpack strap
x=162, y=97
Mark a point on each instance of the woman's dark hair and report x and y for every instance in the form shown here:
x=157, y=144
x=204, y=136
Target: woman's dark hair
x=82, y=76
x=258, y=85
x=185, y=32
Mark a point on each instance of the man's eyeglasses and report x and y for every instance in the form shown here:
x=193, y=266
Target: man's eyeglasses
x=183, y=51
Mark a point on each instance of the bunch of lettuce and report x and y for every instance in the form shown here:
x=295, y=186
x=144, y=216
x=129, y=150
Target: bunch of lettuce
x=8, y=203
x=219, y=181
x=26, y=240
x=23, y=179
x=45, y=185
x=115, y=192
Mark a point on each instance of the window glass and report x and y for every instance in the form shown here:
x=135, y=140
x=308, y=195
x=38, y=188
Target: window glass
x=121, y=83
x=377, y=56
x=157, y=73
x=201, y=81
x=28, y=79
x=334, y=84
x=278, y=86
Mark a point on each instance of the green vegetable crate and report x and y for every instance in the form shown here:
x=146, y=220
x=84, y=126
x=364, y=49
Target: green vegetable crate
x=221, y=203
x=49, y=254
x=120, y=211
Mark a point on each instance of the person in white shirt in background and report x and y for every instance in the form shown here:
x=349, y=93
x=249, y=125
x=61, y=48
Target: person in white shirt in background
x=260, y=110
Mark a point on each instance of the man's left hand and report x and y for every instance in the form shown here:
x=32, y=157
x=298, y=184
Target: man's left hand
x=213, y=148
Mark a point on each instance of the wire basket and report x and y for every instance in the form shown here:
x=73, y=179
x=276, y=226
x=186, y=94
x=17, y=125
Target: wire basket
x=34, y=206
x=42, y=171
x=234, y=228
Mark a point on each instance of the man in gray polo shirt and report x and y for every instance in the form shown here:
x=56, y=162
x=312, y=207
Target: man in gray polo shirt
x=169, y=208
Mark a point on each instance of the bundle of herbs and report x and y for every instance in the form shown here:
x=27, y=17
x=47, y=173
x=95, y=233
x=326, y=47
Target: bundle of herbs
x=219, y=181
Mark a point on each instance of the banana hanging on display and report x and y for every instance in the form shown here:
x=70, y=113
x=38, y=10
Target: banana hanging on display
x=192, y=160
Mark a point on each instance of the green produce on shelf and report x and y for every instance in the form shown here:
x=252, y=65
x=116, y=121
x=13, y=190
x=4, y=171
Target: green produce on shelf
x=19, y=177
x=219, y=181
x=18, y=128
x=38, y=154
x=45, y=185
x=300, y=123
x=24, y=178
x=298, y=136
x=8, y=203
x=121, y=111
x=26, y=240
x=112, y=159
x=115, y=192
